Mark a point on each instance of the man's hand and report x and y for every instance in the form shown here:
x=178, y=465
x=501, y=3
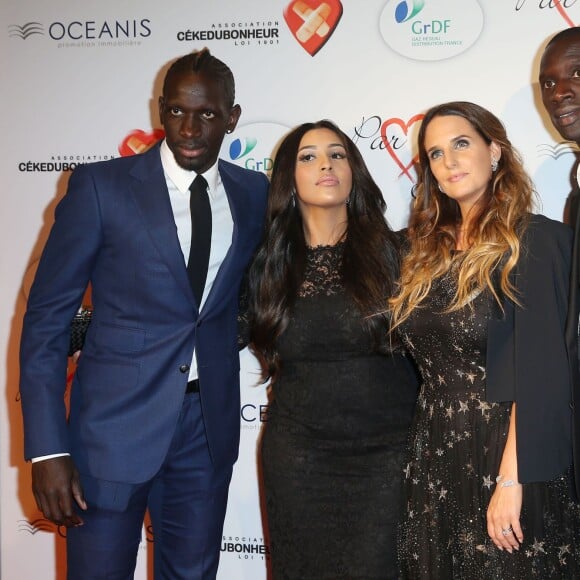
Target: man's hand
x=55, y=484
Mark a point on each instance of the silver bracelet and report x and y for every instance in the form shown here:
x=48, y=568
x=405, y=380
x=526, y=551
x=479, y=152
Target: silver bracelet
x=506, y=483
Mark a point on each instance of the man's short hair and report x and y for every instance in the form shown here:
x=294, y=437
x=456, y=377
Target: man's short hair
x=204, y=63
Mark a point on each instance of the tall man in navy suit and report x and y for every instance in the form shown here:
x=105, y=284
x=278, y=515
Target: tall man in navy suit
x=154, y=410
x=560, y=87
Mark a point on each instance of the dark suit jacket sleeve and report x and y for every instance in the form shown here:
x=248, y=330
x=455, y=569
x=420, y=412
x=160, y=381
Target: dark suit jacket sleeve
x=60, y=282
x=527, y=359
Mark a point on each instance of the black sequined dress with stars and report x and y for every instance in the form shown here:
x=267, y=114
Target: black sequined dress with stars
x=456, y=443
x=333, y=448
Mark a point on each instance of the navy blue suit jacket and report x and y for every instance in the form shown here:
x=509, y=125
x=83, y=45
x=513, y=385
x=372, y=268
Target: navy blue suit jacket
x=115, y=229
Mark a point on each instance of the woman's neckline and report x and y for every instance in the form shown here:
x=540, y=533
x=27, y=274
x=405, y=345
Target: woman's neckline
x=325, y=246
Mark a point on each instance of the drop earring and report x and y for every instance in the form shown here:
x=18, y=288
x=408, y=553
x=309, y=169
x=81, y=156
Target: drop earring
x=350, y=196
x=494, y=164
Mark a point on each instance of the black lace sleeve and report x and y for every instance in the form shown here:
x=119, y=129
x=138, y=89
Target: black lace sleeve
x=243, y=315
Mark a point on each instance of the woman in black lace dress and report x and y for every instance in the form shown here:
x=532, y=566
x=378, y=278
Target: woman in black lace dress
x=482, y=309
x=333, y=446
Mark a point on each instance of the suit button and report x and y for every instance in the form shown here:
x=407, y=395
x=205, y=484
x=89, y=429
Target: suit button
x=184, y=368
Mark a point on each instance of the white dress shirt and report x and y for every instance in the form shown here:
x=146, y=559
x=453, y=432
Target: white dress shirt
x=178, y=182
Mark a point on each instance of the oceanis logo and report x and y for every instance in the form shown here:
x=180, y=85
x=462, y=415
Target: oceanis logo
x=32, y=527
x=403, y=12
x=87, y=33
x=35, y=526
x=26, y=30
x=556, y=151
x=312, y=23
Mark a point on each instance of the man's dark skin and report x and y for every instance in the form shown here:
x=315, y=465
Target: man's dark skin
x=195, y=114
x=560, y=84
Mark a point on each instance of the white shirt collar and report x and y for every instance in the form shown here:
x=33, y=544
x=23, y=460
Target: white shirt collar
x=182, y=178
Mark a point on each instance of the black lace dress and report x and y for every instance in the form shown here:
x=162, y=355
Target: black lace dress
x=333, y=447
x=457, y=441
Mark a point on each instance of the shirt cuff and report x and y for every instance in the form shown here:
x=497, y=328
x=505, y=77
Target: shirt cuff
x=44, y=457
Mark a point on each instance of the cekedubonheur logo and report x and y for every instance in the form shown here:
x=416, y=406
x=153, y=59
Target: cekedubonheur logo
x=431, y=29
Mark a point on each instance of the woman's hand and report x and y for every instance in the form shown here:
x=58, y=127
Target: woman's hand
x=503, y=515
x=505, y=506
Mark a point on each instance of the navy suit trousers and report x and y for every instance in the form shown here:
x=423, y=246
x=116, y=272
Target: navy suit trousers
x=186, y=499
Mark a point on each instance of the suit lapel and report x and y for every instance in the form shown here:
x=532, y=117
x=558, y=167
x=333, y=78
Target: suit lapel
x=149, y=190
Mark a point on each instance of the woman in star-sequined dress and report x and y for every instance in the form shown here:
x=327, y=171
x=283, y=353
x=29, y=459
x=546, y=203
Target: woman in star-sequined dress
x=482, y=309
x=334, y=444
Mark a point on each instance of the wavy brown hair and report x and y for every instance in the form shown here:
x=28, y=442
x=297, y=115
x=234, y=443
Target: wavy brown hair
x=370, y=262
x=495, y=227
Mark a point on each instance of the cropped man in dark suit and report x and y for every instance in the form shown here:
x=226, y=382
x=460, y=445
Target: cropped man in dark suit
x=154, y=410
x=560, y=86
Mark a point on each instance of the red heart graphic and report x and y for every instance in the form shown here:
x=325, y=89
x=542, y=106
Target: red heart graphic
x=563, y=13
x=137, y=141
x=389, y=147
x=312, y=22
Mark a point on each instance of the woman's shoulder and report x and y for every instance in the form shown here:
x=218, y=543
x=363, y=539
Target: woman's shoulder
x=547, y=241
x=541, y=223
x=541, y=228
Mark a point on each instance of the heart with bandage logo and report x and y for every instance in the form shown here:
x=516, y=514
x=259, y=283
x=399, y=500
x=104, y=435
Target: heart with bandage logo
x=138, y=141
x=312, y=22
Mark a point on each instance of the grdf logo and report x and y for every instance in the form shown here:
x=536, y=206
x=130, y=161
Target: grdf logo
x=402, y=12
x=423, y=30
x=239, y=147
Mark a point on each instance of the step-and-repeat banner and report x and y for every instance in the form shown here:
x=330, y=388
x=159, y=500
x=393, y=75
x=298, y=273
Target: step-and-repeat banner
x=80, y=80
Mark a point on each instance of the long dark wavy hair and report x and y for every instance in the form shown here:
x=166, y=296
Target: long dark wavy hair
x=370, y=264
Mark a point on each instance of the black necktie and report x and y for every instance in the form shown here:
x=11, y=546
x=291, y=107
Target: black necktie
x=200, y=236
